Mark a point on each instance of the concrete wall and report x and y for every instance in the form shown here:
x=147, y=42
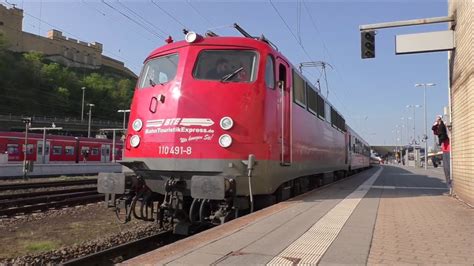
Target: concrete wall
x=462, y=94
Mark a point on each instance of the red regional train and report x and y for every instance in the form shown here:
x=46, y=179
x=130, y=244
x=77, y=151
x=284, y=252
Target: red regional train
x=59, y=149
x=221, y=125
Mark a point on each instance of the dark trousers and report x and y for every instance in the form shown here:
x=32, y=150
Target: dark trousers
x=447, y=168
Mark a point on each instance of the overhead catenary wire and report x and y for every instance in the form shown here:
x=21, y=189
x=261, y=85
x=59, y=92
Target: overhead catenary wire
x=156, y=34
x=314, y=25
x=169, y=15
x=209, y=23
x=291, y=31
x=302, y=47
x=108, y=17
x=153, y=26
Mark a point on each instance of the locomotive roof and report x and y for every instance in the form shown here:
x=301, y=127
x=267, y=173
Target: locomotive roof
x=217, y=41
x=231, y=42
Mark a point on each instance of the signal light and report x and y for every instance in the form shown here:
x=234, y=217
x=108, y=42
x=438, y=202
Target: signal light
x=367, y=44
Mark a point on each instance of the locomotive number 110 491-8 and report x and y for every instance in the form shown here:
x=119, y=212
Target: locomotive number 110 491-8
x=176, y=150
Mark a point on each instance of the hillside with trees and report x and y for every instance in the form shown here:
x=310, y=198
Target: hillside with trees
x=32, y=85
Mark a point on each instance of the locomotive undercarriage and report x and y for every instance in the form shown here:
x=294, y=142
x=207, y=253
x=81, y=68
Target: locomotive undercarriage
x=190, y=201
x=169, y=200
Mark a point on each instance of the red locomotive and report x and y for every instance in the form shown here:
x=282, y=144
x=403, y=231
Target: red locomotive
x=220, y=124
x=59, y=149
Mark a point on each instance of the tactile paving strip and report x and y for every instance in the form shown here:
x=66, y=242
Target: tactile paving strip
x=311, y=246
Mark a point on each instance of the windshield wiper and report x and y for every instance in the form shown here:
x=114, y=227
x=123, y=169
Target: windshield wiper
x=152, y=83
x=231, y=75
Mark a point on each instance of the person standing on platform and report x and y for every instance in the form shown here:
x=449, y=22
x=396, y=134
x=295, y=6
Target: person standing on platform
x=439, y=129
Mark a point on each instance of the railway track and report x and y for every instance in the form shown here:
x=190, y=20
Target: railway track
x=18, y=186
x=27, y=202
x=125, y=251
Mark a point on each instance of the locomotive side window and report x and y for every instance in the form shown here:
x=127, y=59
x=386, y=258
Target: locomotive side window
x=327, y=112
x=226, y=65
x=299, y=95
x=95, y=151
x=270, y=73
x=312, y=99
x=320, y=106
x=158, y=71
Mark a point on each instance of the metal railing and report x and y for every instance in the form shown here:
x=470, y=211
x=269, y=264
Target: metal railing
x=56, y=119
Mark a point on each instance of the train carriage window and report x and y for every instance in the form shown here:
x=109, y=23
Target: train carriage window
x=85, y=148
x=299, y=92
x=226, y=65
x=30, y=148
x=57, y=150
x=270, y=73
x=69, y=150
x=95, y=151
x=158, y=71
x=311, y=99
x=13, y=149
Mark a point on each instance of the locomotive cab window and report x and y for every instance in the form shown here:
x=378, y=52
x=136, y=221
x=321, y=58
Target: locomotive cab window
x=226, y=65
x=158, y=71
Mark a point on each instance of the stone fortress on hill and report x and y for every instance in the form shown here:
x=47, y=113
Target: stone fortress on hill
x=55, y=47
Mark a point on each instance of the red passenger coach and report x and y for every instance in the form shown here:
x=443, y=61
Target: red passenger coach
x=59, y=149
x=219, y=124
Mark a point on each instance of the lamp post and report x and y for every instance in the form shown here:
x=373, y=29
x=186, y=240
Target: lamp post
x=27, y=121
x=414, y=106
x=82, y=109
x=124, y=116
x=424, y=85
x=89, y=124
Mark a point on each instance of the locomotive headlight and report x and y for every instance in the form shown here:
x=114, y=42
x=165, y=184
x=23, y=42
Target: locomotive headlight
x=176, y=92
x=226, y=123
x=137, y=124
x=135, y=141
x=191, y=37
x=225, y=141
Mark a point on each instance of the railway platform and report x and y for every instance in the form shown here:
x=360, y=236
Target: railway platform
x=16, y=169
x=385, y=215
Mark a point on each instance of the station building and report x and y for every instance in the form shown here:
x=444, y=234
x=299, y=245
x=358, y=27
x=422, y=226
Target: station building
x=55, y=47
x=461, y=75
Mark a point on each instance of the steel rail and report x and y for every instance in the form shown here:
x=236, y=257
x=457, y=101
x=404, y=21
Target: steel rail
x=43, y=193
x=47, y=184
x=50, y=205
x=125, y=251
x=44, y=199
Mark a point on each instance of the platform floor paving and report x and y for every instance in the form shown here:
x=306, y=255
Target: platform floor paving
x=385, y=215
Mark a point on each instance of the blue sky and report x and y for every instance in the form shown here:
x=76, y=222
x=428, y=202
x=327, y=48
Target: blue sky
x=371, y=94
